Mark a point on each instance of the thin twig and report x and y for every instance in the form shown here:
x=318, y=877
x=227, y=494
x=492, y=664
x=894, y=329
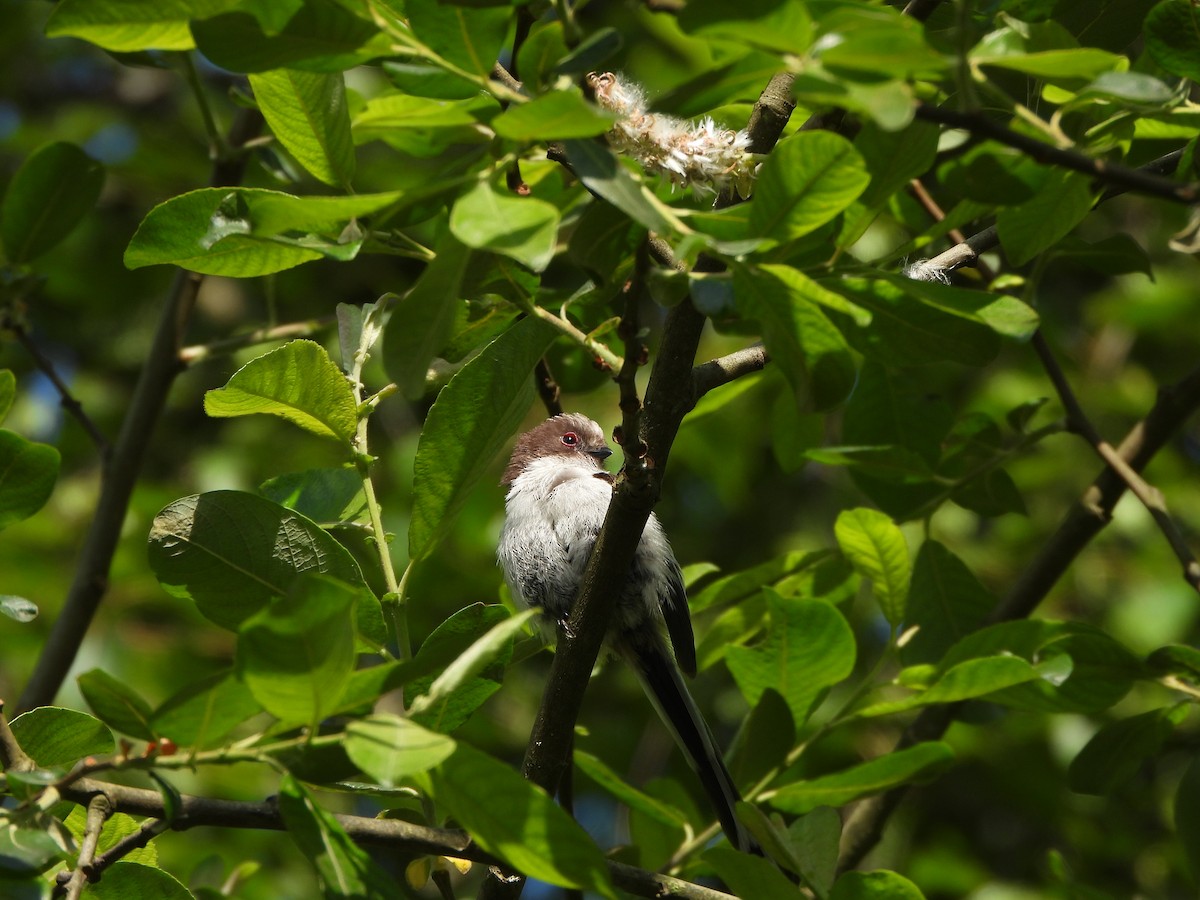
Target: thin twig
x=1111, y=173
x=98, y=811
x=12, y=757
x=121, y=470
x=189, y=356
x=967, y=252
x=1151, y=497
x=394, y=834
x=149, y=830
x=547, y=387
x=66, y=398
x=630, y=436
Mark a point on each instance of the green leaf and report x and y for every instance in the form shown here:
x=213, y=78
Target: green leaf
x=389, y=748
x=516, y=821
x=54, y=736
x=1117, y=254
x=344, y=869
x=1073, y=63
x=474, y=660
x=612, y=783
x=750, y=876
x=307, y=111
x=202, y=713
x=553, y=116
x=893, y=158
x=903, y=332
x=816, y=837
x=766, y=739
x=126, y=26
x=602, y=173
x=782, y=25
x=877, y=550
x=808, y=179
x=233, y=552
x=468, y=424
x=946, y=602
x=524, y=228
x=327, y=496
x=423, y=319
x=48, y=196
x=886, y=44
x=1039, y=223
x=469, y=37
x=1119, y=749
x=1187, y=815
x=874, y=777
x=1101, y=671
x=27, y=474
x=243, y=232
x=18, y=608
x=297, y=382
x=1175, y=659
x=117, y=704
x=321, y=36
x=296, y=654
x=964, y=681
x=811, y=352
x=879, y=885
x=126, y=880
x=8, y=392
x=808, y=648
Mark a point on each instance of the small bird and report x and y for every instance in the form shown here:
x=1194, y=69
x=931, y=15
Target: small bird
x=558, y=494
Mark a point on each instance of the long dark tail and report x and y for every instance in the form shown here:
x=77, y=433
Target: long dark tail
x=664, y=685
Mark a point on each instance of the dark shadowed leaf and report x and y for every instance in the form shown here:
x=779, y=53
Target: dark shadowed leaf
x=47, y=197
x=1119, y=749
x=117, y=704
x=233, y=552
x=879, y=885
x=27, y=474
x=517, y=821
x=344, y=869
x=873, y=777
x=467, y=426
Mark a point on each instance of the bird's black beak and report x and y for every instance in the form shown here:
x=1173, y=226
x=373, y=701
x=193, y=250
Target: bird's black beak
x=602, y=453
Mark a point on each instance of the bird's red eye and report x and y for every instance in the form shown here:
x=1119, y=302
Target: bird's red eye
x=570, y=439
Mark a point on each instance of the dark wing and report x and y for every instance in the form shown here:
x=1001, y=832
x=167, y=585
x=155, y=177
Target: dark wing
x=679, y=623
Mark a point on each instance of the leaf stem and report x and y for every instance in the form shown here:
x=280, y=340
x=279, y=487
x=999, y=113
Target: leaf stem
x=218, y=147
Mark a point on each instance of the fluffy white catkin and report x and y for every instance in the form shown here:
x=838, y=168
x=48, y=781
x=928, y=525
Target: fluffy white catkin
x=700, y=155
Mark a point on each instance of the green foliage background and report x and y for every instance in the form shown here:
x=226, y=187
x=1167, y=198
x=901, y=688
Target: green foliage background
x=906, y=431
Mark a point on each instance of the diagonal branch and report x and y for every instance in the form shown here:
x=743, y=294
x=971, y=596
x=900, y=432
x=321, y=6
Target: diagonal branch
x=669, y=396
x=1115, y=174
x=1088, y=516
x=1150, y=496
x=121, y=470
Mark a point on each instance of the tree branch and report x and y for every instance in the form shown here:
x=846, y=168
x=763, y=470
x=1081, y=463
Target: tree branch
x=69, y=402
x=12, y=757
x=668, y=398
x=725, y=369
x=121, y=470
x=394, y=834
x=98, y=811
x=1151, y=497
x=547, y=388
x=1083, y=522
x=1115, y=174
x=189, y=356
